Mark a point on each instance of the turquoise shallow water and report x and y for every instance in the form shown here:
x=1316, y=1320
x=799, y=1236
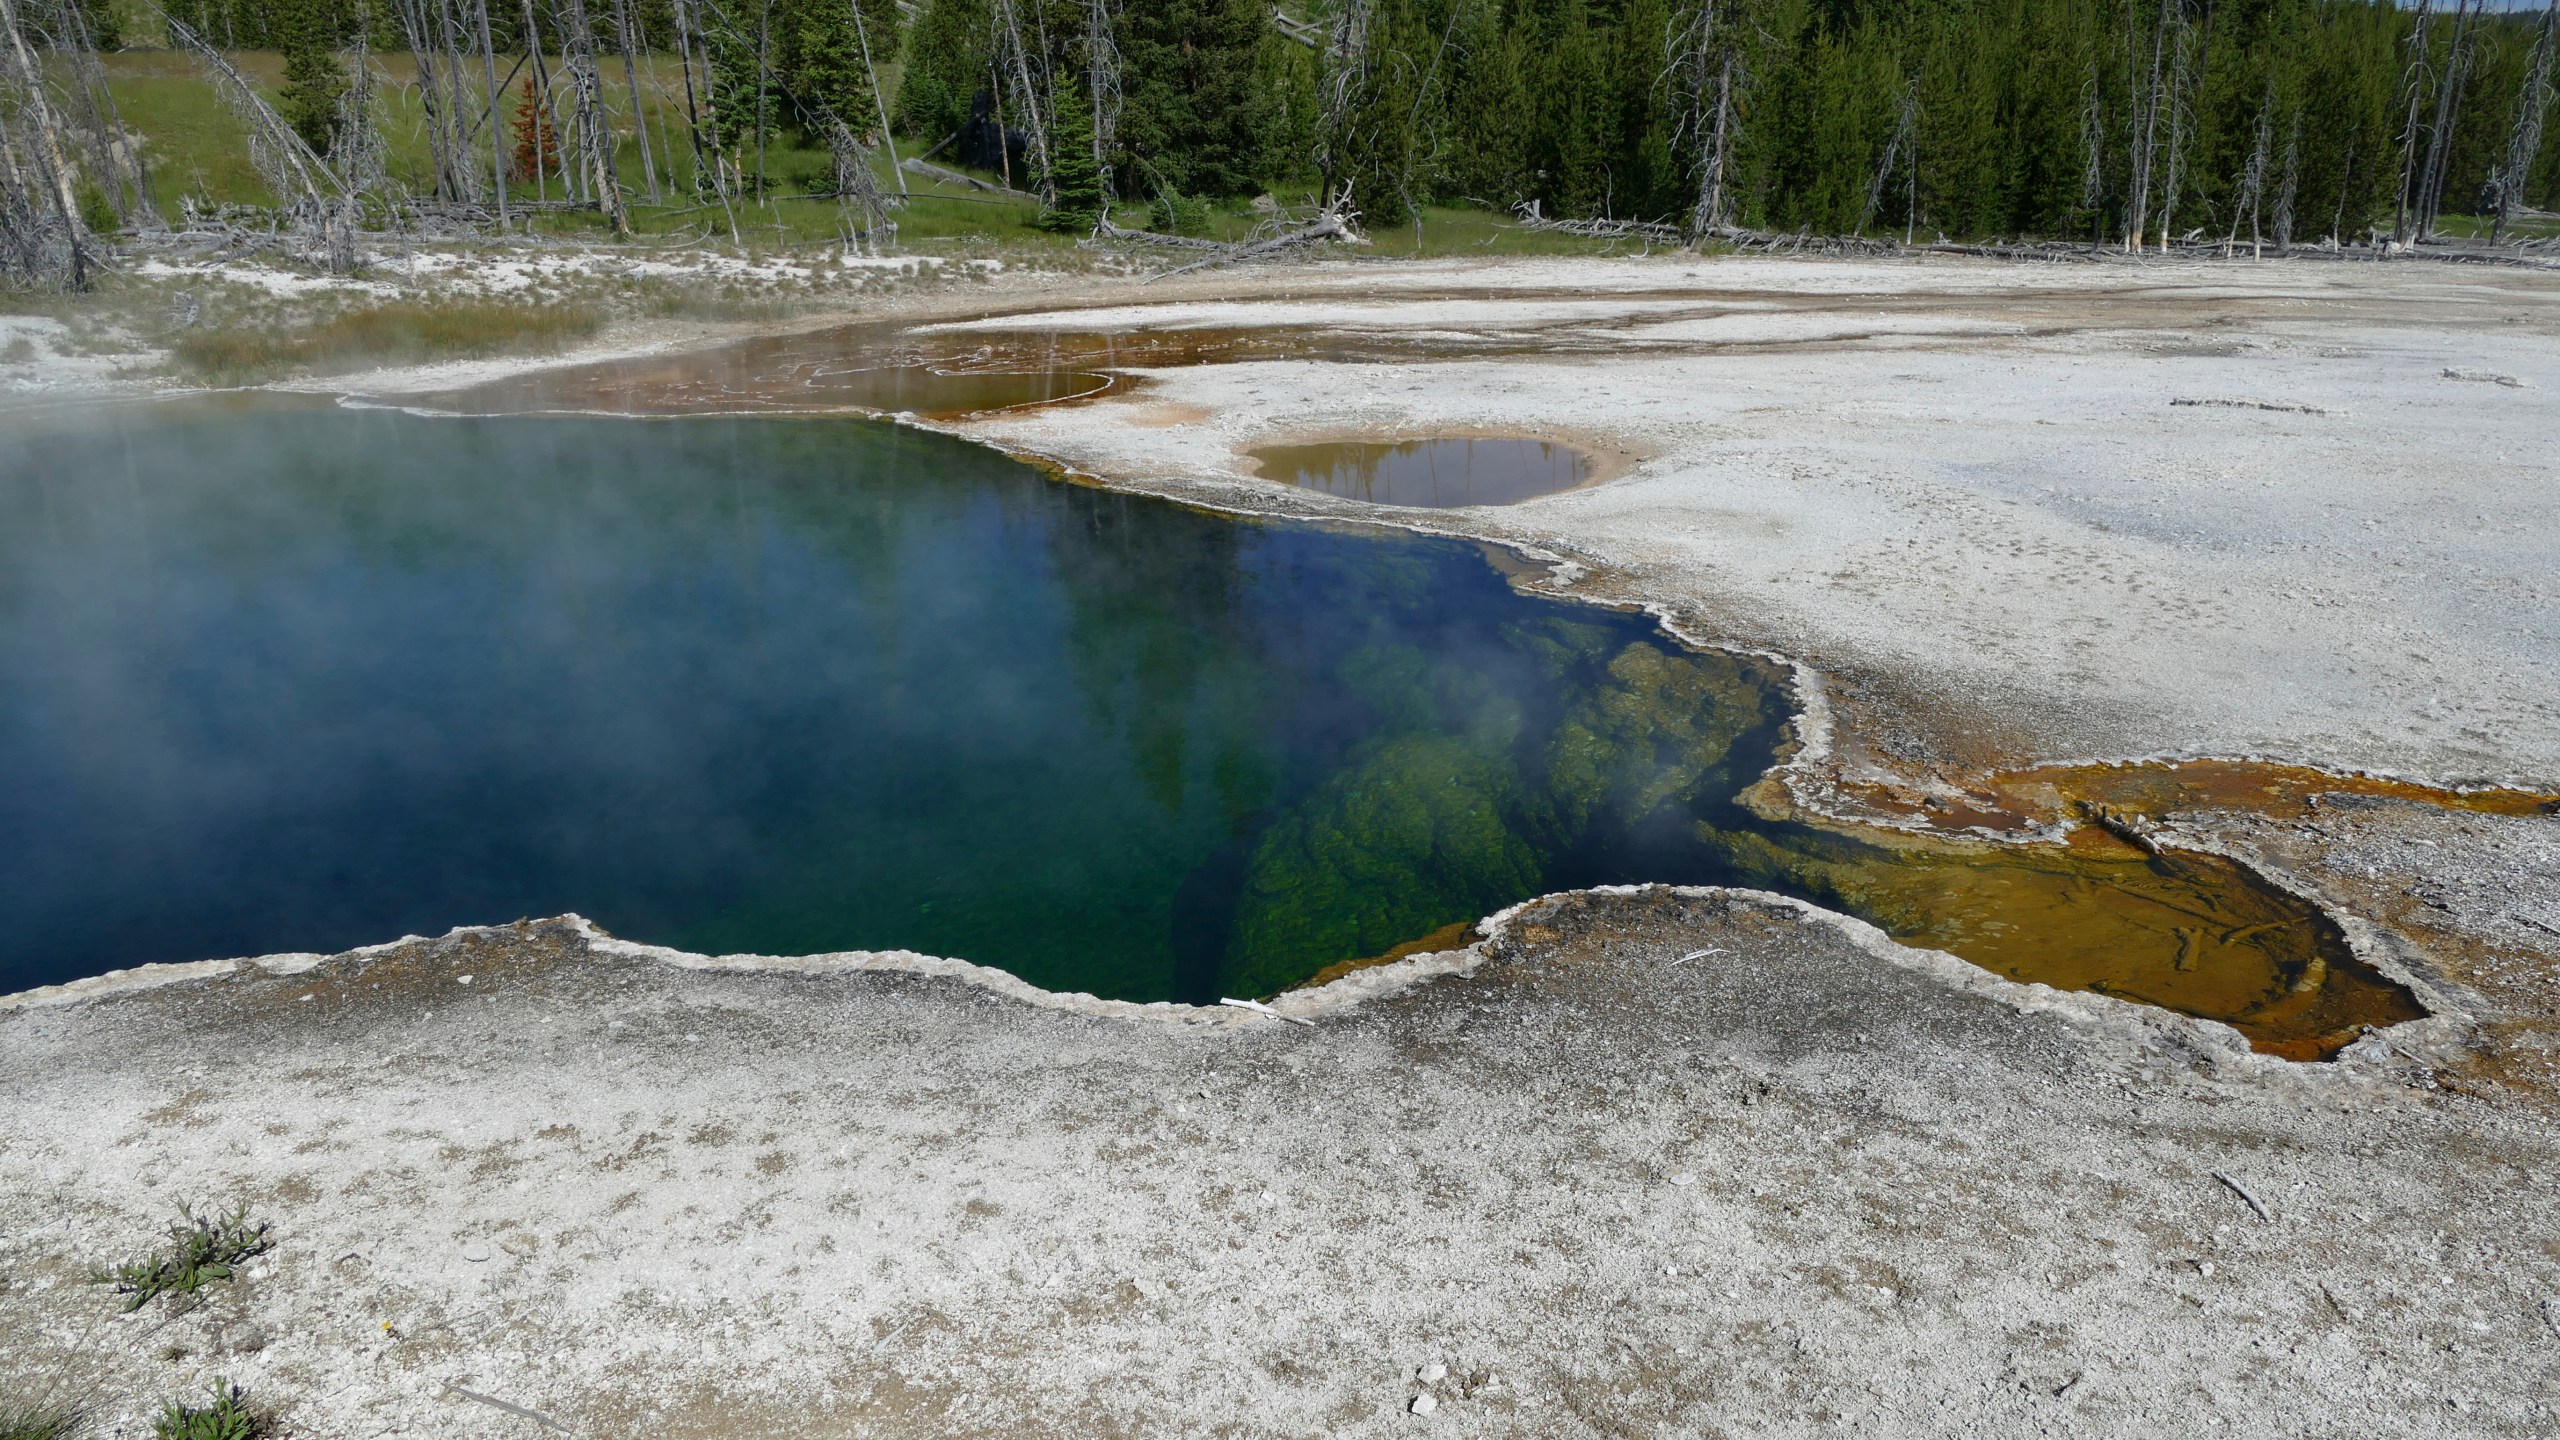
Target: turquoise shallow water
x=278, y=676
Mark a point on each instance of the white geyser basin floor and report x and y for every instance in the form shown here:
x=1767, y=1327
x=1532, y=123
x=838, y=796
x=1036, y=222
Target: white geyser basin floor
x=1642, y=1162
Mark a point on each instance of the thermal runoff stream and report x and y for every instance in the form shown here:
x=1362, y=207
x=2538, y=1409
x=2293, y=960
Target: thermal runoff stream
x=278, y=676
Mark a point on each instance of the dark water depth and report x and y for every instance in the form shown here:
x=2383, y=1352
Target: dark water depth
x=289, y=677
x=300, y=679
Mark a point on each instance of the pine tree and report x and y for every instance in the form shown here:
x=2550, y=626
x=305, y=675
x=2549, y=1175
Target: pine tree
x=1192, y=112
x=948, y=58
x=818, y=66
x=105, y=26
x=745, y=104
x=1577, y=116
x=313, y=79
x=1490, y=111
x=1075, y=182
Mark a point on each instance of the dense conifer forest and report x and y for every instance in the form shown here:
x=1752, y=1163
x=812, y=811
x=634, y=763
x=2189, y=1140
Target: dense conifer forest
x=2123, y=122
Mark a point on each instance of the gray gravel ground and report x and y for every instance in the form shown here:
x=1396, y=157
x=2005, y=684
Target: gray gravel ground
x=1811, y=1183
x=1807, y=1183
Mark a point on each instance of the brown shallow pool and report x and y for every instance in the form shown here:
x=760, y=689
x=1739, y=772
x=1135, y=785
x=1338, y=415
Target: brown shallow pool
x=1439, y=474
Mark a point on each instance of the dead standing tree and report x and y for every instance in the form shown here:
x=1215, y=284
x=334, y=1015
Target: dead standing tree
x=42, y=240
x=2175, y=98
x=1346, y=80
x=1905, y=133
x=108, y=159
x=2413, y=83
x=879, y=100
x=2142, y=80
x=318, y=205
x=2457, y=71
x=1708, y=64
x=2252, y=189
x=436, y=43
x=358, y=157
x=594, y=135
x=1102, y=84
x=1033, y=102
x=627, y=39
x=496, y=92
x=2524, y=137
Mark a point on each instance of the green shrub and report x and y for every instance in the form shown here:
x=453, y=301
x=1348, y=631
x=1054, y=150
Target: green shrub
x=201, y=1248
x=226, y=1416
x=1178, y=214
x=97, y=212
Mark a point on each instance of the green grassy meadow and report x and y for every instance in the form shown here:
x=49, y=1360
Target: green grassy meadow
x=195, y=147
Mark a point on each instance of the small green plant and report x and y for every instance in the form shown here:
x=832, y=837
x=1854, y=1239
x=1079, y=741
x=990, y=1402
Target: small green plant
x=32, y=1421
x=97, y=212
x=226, y=1416
x=1179, y=214
x=201, y=1248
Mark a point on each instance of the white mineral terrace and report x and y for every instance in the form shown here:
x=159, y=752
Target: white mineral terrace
x=1646, y=1162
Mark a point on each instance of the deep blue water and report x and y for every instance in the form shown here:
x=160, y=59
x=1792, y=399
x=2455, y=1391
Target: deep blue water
x=277, y=676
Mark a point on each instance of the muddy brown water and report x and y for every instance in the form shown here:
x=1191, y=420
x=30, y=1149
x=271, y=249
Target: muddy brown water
x=2195, y=933
x=1441, y=473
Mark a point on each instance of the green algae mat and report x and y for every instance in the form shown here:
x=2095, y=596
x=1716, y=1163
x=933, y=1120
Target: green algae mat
x=289, y=677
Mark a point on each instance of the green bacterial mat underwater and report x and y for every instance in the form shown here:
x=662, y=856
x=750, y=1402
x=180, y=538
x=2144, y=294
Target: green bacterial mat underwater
x=288, y=677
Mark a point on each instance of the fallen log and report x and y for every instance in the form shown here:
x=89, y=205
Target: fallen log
x=1103, y=229
x=919, y=166
x=1331, y=223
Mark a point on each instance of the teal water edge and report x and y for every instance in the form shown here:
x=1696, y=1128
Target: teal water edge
x=277, y=676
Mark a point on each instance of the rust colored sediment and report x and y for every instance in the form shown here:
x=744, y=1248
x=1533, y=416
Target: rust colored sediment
x=2044, y=795
x=2188, y=931
x=1453, y=936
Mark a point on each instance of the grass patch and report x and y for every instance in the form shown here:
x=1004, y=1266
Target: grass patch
x=224, y=1416
x=403, y=331
x=201, y=1249
x=29, y=1421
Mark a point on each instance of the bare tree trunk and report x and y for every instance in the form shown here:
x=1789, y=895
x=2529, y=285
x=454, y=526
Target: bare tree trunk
x=114, y=165
x=2137, y=221
x=2253, y=182
x=2292, y=185
x=764, y=89
x=692, y=106
x=466, y=174
x=595, y=134
x=2414, y=80
x=880, y=102
x=2524, y=138
x=1346, y=78
x=315, y=198
x=542, y=153
x=2173, y=167
x=51, y=248
x=497, y=128
x=433, y=41
x=1102, y=86
x=1711, y=56
x=1892, y=148
x=48, y=136
x=2457, y=74
x=631, y=73
x=1032, y=102
x=2093, y=147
